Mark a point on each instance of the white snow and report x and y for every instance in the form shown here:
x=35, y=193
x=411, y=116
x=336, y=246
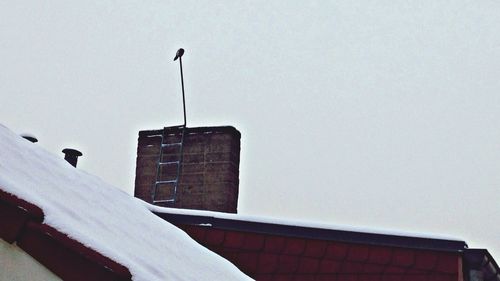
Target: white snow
x=281, y=221
x=105, y=218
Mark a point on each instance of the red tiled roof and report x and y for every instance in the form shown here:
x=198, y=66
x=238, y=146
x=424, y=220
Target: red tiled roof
x=270, y=251
x=274, y=257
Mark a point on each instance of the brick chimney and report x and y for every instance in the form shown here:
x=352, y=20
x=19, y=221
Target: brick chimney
x=209, y=174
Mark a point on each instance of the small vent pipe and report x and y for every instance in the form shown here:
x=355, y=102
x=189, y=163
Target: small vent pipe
x=29, y=137
x=71, y=155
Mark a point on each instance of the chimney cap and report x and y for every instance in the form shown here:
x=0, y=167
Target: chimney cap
x=72, y=152
x=29, y=137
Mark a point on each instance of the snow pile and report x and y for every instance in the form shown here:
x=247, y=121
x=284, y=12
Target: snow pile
x=105, y=218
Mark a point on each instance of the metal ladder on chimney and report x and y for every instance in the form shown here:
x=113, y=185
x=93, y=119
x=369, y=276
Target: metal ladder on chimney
x=165, y=189
x=170, y=186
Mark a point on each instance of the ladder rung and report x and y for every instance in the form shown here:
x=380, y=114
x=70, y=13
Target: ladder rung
x=163, y=201
x=169, y=163
x=166, y=182
x=171, y=144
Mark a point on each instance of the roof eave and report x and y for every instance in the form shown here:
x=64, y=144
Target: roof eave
x=317, y=233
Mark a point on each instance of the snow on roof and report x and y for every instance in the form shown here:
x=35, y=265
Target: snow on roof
x=104, y=218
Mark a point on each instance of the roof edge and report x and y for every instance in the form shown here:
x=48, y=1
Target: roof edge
x=192, y=130
x=34, y=211
x=482, y=261
x=347, y=236
x=22, y=223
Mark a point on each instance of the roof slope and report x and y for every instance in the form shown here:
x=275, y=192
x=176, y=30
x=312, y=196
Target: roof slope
x=104, y=218
x=275, y=249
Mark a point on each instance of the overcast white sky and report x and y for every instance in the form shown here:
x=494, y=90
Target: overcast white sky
x=382, y=114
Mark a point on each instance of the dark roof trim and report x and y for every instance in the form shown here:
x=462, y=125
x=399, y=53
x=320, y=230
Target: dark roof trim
x=481, y=260
x=195, y=130
x=68, y=258
x=14, y=214
x=317, y=233
x=34, y=211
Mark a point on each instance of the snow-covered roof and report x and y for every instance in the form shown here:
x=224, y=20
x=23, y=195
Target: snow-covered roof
x=104, y=218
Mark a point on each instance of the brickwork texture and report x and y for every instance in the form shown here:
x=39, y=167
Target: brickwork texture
x=209, y=175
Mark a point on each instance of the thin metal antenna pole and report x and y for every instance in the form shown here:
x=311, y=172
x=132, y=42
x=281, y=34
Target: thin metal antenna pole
x=183, y=96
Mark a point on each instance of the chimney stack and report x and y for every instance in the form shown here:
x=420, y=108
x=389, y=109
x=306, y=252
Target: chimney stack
x=71, y=155
x=209, y=172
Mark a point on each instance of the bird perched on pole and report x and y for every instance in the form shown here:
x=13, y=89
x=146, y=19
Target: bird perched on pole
x=179, y=53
